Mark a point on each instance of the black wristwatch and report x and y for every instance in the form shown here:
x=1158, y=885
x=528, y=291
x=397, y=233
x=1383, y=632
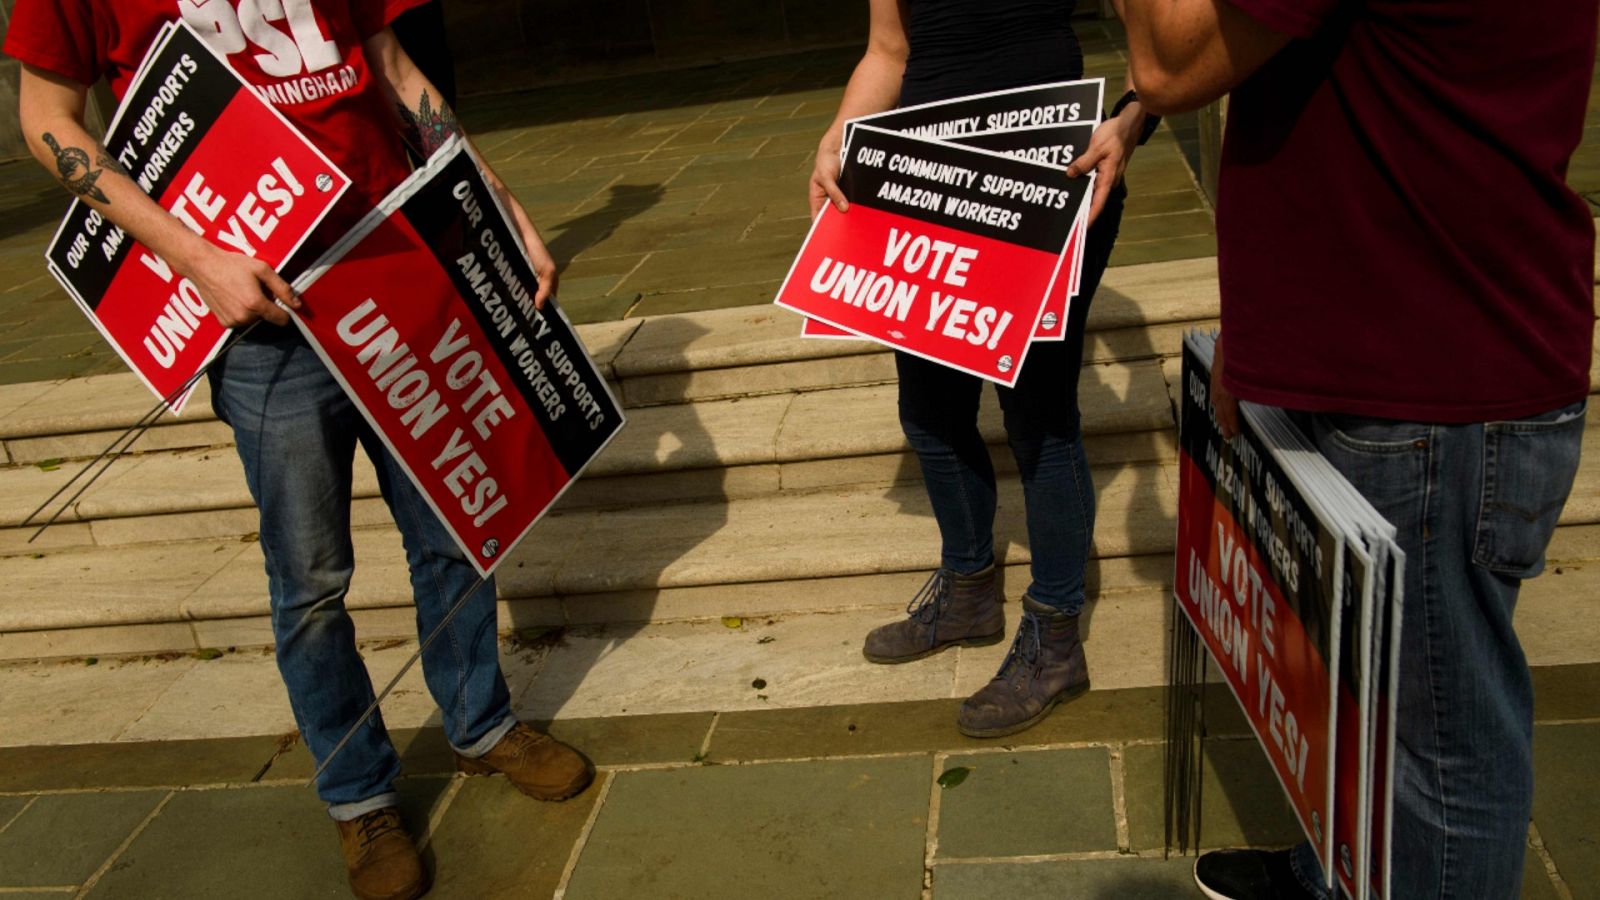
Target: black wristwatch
x=1150, y=120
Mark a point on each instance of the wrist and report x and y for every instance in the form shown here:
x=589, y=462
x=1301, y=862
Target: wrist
x=831, y=141
x=189, y=251
x=1138, y=121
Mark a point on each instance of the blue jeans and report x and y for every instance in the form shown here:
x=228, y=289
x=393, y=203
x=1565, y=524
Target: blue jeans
x=1474, y=507
x=296, y=432
x=939, y=415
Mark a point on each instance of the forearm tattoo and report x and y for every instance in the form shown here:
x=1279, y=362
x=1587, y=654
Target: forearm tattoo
x=110, y=164
x=76, y=172
x=426, y=129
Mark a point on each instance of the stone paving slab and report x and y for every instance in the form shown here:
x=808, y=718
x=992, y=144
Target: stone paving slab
x=278, y=841
x=695, y=829
x=60, y=766
x=1243, y=804
x=1565, y=759
x=1133, y=878
x=1061, y=799
x=497, y=843
x=848, y=828
x=924, y=726
x=1566, y=692
x=62, y=839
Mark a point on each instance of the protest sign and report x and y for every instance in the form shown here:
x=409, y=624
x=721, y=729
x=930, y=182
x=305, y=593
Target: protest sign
x=947, y=252
x=227, y=164
x=425, y=314
x=1352, y=765
x=1054, y=104
x=1259, y=577
x=1385, y=703
x=1050, y=145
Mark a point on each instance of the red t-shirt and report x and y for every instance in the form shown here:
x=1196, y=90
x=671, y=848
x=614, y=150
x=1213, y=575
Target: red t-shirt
x=305, y=56
x=1395, y=232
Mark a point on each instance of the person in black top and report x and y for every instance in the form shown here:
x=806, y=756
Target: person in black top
x=926, y=50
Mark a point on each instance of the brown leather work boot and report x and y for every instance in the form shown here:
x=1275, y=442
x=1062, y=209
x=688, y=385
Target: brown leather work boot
x=380, y=857
x=538, y=764
x=950, y=609
x=1046, y=666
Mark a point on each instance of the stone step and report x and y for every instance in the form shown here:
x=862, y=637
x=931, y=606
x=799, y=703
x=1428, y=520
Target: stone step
x=711, y=450
x=657, y=360
x=588, y=566
x=715, y=451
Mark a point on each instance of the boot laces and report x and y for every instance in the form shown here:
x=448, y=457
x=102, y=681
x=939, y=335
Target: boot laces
x=378, y=824
x=525, y=740
x=1025, y=649
x=925, y=606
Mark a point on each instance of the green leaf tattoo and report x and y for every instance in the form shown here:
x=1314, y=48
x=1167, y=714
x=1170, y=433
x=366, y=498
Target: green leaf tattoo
x=425, y=128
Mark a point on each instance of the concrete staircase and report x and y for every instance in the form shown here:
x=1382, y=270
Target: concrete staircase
x=760, y=475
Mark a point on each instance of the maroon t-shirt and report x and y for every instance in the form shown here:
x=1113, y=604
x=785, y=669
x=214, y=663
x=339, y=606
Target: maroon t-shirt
x=1395, y=233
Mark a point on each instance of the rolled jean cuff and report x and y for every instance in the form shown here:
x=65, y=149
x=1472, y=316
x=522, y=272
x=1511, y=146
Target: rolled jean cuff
x=486, y=743
x=346, y=812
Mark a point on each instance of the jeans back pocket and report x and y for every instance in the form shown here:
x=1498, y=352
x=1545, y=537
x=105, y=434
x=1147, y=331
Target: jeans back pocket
x=1528, y=469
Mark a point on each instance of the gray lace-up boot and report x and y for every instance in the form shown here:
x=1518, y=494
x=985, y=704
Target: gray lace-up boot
x=1045, y=666
x=950, y=609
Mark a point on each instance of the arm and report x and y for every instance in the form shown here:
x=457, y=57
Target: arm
x=1186, y=53
x=1112, y=145
x=874, y=87
x=426, y=121
x=238, y=289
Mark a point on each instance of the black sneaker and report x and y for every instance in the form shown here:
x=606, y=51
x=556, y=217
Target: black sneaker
x=1248, y=875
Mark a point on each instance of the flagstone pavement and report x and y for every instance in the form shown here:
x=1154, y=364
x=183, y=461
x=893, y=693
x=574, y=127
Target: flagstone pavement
x=182, y=776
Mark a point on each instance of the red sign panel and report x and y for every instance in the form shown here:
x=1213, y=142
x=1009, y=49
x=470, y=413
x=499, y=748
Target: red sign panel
x=227, y=165
x=425, y=314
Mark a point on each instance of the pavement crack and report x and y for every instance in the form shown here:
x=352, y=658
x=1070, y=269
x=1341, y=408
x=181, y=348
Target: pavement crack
x=286, y=743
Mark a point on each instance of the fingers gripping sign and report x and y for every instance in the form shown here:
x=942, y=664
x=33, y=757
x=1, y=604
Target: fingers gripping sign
x=240, y=290
x=1108, y=153
x=825, y=180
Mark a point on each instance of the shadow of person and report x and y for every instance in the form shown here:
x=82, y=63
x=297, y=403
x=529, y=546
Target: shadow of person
x=1134, y=461
x=32, y=202
x=659, y=492
x=566, y=240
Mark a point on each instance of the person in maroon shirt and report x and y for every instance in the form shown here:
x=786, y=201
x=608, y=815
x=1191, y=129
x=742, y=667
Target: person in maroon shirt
x=295, y=429
x=1404, y=268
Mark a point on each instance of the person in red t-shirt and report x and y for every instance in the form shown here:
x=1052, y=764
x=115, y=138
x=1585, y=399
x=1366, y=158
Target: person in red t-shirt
x=336, y=71
x=1405, y=270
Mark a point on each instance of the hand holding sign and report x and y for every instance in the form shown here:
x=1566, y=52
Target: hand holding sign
x=427, y=314
x=240, y=290
x=948, y=252
x=228, y=166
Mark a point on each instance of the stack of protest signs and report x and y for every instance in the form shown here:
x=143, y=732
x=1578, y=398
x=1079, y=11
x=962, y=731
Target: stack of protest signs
x=963, y=242
x=1292, y=583
x=228, y=165
x=425, y=314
